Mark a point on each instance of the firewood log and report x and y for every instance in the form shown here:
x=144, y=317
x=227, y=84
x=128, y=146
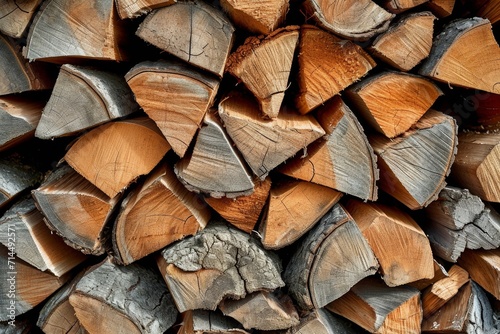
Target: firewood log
x=441, y=8
x=208, y=322
x=192, y=31
x=16, y=17
x=331, y=259
x=134, y=8
x=489, y=9
x=218, y=262
x=439, y=273
x=175, y=96
x=321, y=321
x=399, y=6
x=23, y=324
x=484, y=268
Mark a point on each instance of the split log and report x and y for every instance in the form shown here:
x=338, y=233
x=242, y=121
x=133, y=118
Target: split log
x=441, y=8
x=392, y=102
x=16, y=16
x=326, y=71
x=380, y=309
x=214, y=167
x=331, y=259
x=155, y=215
x=123, y=299
x=293, y=209
x=488, y=9
x=321, y=321
x=218, y=262
x=175, y=96
x=82, y=98
x=263, y=64
x=113, y=155
x=76, y=210
x=208, y=322
x=465, y=54
x=484, y=268
x=439, y=273
x=351, y=19
x=134, y=8
x=401, y=247
x=192, y=31
x=399, y=6
x=243, y=211
x=266, y=143
x=413, y=166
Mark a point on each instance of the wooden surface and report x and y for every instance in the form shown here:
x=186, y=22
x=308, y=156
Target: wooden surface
x=398, y=6
x=484, y=268
x=208, y=322
x=441, y=8
x=15, y=18
x=135, y=8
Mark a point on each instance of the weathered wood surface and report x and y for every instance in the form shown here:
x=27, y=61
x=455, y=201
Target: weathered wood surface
x=484, y=268
x=441, y=8
x=321, y=321
x=15, y=16
x=208, y=322
x=135, y=8
x=439, y=273
x=399, y=6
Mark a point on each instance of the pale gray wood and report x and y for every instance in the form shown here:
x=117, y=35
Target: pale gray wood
x=446, y=243
x=211, y=322
x=321, y=321
x=15, y=178
x=16, y=16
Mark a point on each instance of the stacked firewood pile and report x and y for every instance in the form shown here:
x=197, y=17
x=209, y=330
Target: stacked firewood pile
x=249, y=166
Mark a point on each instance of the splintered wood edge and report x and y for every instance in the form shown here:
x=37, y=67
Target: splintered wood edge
x=130, y=9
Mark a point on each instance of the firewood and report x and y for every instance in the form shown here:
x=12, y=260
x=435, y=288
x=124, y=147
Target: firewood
x=16, y=17
x=35, y=244
x=399, y=6
x=156, y=214
x=133, y=8
x=458, y=58
x=263, y=64
x=266, y=143
x=321, y=321
x=391, y=102
x=294, y=207
x=331, y=259
x=243, y=211
x=214, y=167
x=123, y=299
x=220, y=261
x=344, y=160
x=489, y=9
x=401, y=247
x=82, y=98
x=326, y=71
x=413, y=166
x=356, y=20
x=115, y=154
x=258, y=17
x=484, y=268
x=441, y=8
x=208, y=322
x=262, y=310
x=76, y=210
x=193, y=31
x=23, y=324
x=380, y=309
x=439, y=273
x=175, y=96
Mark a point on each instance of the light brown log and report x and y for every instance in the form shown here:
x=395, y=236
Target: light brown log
x=175, y=96
x=193, y=31
x=413, y=166
x=484, y=268
x=391, y=102
x=321, y=321
x=399, y=6
x=115, y=154
x=155, y=215
x=344, y=160
x=441, y=8
x=325, y=71
x=293, y=209
x=16, y=16
x=489, y=9
x=401, y=247
x=208, y=322
x=263, y=64
x=135, y=8
x=439, y=273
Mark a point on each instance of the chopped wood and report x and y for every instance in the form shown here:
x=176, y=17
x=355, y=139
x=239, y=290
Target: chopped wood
x=489, y=9
x=413, y=166
x=325, y=71
x=266, y=143
x=84, y=97
x=487, y=109
x=344, y=160
x=208, y=322
x=401, y=247
x=263, y=64
x=23, y=324
x=15, y=18
x=155, y=215
x=351, y=19
x=484, y=268
x=399, y=6
x=465, y=54
x=193, y=31
x=294, y=207
x=331, y=259
x=135, y=8
x=220, y=261
x=321, y=321
x=441, y=8
x=214, y=166
x=175, y=96
x=439, y=273
x=113, y=155
x=392, y=102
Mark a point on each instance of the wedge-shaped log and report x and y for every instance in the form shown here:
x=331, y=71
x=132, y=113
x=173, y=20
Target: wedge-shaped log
x=123, y=299
x=208, y=322
x=76, y=210
x=193, y=31
x=399, y=6
x=263, y=64
x=113, y=155
x=214, y=167
x=400, y=245
x=484, y=268
x=465, y=54
x=82, y=98
x=218, y=262
x=351, y=19
x=331, y=259
x=441, y=8
x=175, y=96
x=380, y=309
x=294, y=207
x=413, y=166
x=156, y=214
x=321, y=321
x=17, y=17
x=324, y=72
x=135, y=8
x=266, y=143
x=343, y=160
